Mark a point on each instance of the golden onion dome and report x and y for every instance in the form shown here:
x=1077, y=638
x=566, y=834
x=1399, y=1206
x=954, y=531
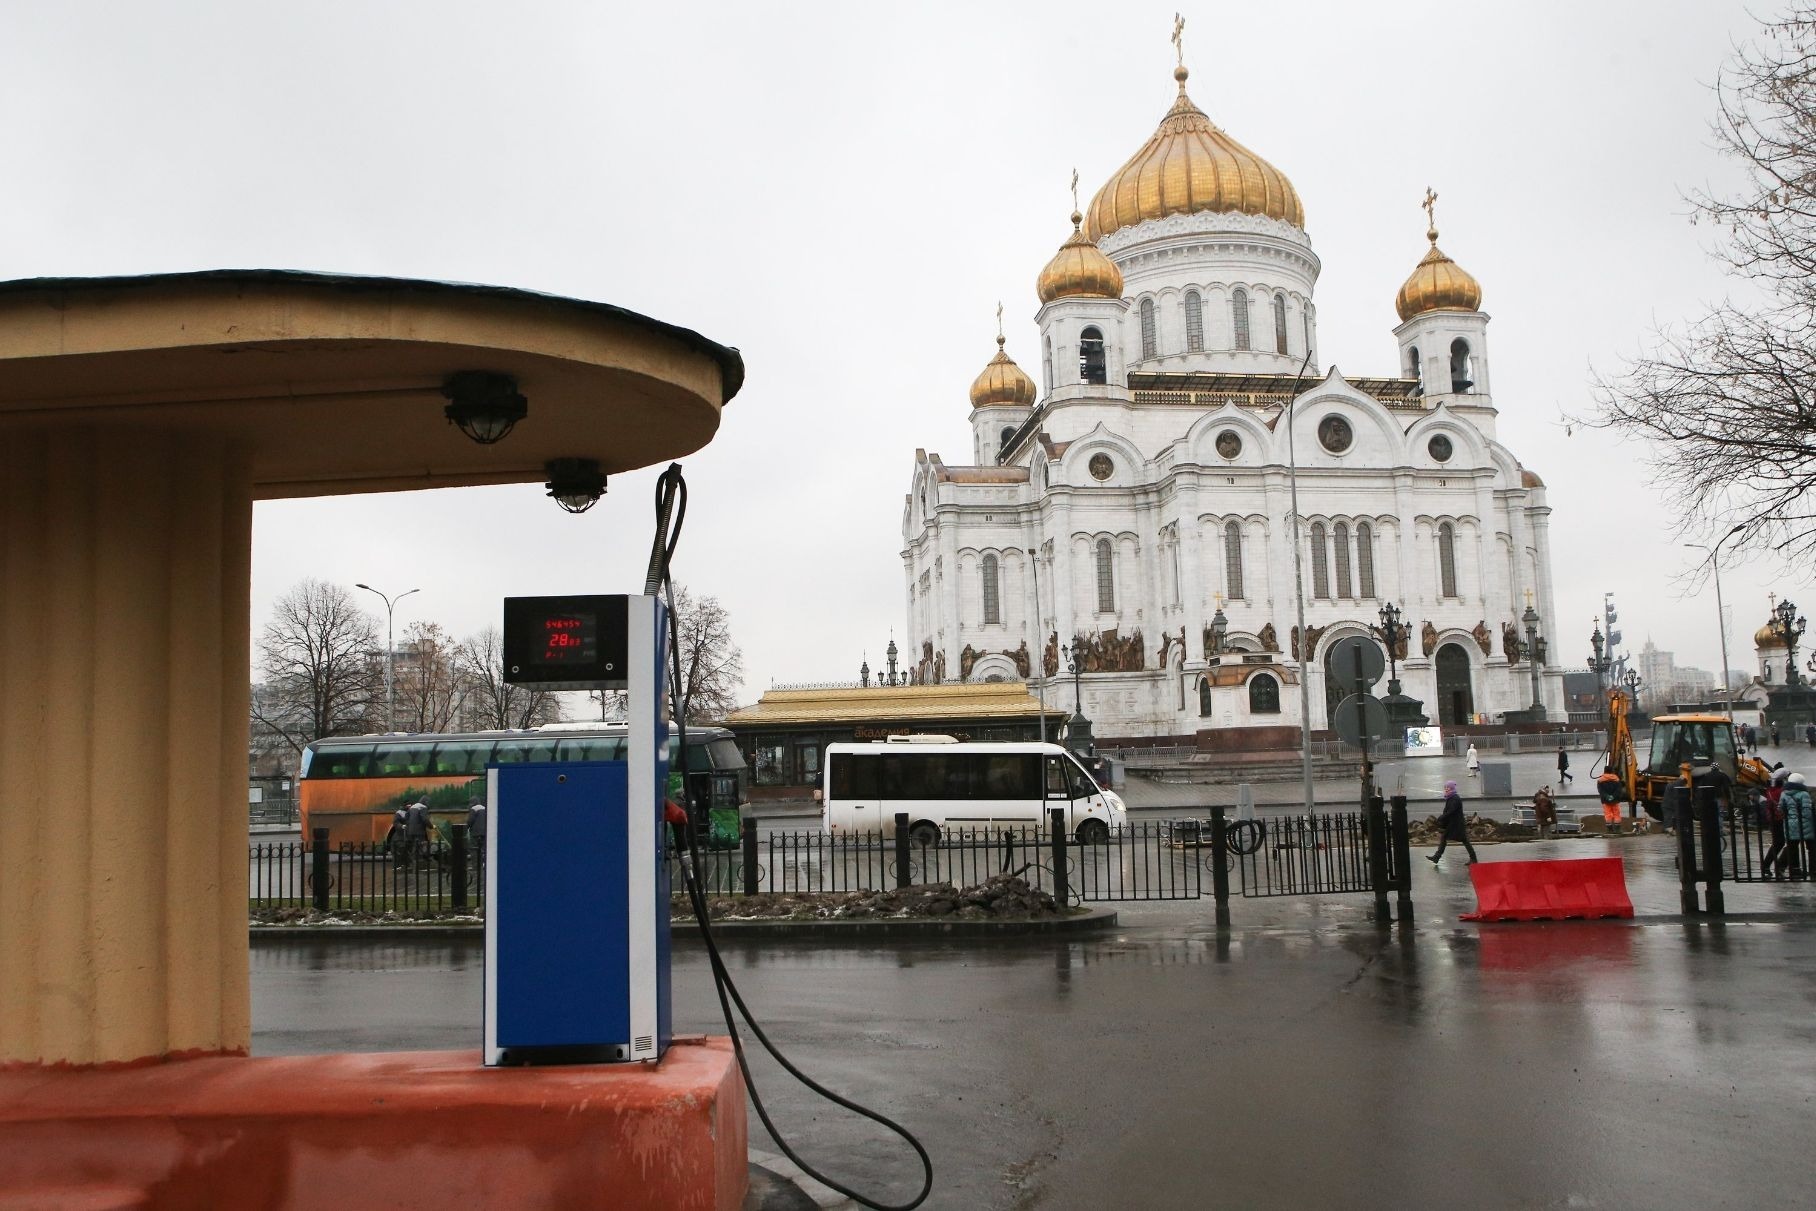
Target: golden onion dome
x=1002, y=383
x=1437, y=284
x=1188, y=166
x=1079, y=270
x=1767, y=636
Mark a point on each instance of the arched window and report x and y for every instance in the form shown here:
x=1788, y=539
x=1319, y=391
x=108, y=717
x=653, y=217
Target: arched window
x=1340, y=539
x=1090, y=357
x=1279, y=323
x=1264, y=695
x=1232, y=560
x=1365, y=559
x=1305, y=313
x=1178, y=579
x=993, y=602
x=1204, y=697
x=1320, y=570
x=1106, y=578
x=1462, y=372
x=1414, y=370
x=1046, y=363
x=1447, y=560
x=1150, y=344
x=1194, y=322
x=1002, y=443
x=1239, y=317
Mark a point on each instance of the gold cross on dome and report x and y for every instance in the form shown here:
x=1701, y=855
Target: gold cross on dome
x=999, y=321
x=1179, y=37
x=1075, y=189
x=1431, y=217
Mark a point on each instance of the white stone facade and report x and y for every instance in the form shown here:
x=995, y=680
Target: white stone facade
x=1136, y=505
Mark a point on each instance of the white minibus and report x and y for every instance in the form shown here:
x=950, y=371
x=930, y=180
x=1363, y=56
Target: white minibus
x=942, y=783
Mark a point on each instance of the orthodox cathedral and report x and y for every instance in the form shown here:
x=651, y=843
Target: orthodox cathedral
x=1153, y=512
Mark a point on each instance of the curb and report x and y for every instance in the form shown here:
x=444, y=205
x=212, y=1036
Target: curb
x=1089, y=921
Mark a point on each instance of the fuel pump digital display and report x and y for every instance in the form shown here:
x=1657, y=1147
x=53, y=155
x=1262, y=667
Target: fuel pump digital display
x=565, y=643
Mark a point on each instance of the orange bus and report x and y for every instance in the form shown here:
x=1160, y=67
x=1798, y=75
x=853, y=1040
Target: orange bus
x=352, y=785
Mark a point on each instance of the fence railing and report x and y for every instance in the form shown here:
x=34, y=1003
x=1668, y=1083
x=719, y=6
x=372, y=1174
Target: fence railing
x=367, y=877
x=1143, y=861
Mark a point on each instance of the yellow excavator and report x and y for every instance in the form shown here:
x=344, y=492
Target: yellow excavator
x=1695, y=739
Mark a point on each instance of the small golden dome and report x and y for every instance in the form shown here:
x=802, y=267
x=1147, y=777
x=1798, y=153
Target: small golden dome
x=1002, y=384
x=1437, y=284
x=1189, y=165
x=1766, y=637
x=1079, y=270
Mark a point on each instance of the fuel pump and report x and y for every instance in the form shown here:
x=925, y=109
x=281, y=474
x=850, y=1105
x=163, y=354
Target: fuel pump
x=577, y=882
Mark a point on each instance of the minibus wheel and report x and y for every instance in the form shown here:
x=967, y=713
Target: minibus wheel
x=1093, y=832
x=925, y=834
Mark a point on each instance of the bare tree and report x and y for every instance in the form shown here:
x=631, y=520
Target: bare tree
x=712, y=666
x=426, y=678
x=1727, y=403
x=320, y=659
x=491, y=703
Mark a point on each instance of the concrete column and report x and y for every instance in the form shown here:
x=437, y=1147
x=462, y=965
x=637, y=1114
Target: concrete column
x=125, y=565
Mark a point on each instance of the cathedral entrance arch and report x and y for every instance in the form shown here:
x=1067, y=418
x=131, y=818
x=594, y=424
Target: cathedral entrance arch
x=1456, y=697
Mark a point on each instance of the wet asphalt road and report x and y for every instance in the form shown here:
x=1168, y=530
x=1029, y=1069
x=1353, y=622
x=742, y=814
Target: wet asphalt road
x=1305, y=1059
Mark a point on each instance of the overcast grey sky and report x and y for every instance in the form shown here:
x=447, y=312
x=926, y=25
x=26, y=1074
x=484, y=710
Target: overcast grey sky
x=844, y=192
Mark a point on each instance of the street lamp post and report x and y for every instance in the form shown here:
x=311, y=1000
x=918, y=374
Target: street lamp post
x=1633, y=681
x=390, y=651
x=1721, y=617
x=1600, y=664
x=1531, y=620
x=1078, y=731
x=1788, y=627
x=1392, y=632
x=1305, y=689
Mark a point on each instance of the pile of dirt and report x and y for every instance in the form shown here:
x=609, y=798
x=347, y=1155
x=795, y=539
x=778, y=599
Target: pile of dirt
x=999, y=898
x=1429, y=832
x=424, y=916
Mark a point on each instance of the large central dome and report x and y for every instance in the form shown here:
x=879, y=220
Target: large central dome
x=1189, y=166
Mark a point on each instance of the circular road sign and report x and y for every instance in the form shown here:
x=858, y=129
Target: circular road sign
x=1353, y=658
x=1357, y=715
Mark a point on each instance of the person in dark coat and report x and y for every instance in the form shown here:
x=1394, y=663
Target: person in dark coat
x=1453, y=823
x=416, y=831
x=1563, y=767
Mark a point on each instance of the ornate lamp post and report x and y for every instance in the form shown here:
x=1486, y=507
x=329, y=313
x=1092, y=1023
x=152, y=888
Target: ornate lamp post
x=1078, y=731
x=1534, y=657
x=1392, y=632
x=1633, y=681
x=891, y=653
x=1788, y=627
x=864, y=673
x=1599, y=664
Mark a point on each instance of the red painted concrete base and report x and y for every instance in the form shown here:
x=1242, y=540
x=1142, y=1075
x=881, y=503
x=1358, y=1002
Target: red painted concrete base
x=428, y=1129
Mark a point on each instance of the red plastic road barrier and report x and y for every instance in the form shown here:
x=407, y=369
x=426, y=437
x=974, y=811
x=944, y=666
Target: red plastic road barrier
x=1550, y=891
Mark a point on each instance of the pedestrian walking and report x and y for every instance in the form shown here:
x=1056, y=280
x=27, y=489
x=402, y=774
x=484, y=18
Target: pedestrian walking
x=1774, y=735
x=1774, y=861
x=1452, y=823
x=1474, y=762
x=416, y=831
x=476, y=825
x=1563, y=767
x=1799, y=825
x=1809, y=734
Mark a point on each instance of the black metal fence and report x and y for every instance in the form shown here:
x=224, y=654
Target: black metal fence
x=1144, y=861
x=367, y=877
x=1756, y=847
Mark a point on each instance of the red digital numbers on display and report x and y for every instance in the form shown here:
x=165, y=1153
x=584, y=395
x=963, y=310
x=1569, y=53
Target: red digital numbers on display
x=563, y=638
